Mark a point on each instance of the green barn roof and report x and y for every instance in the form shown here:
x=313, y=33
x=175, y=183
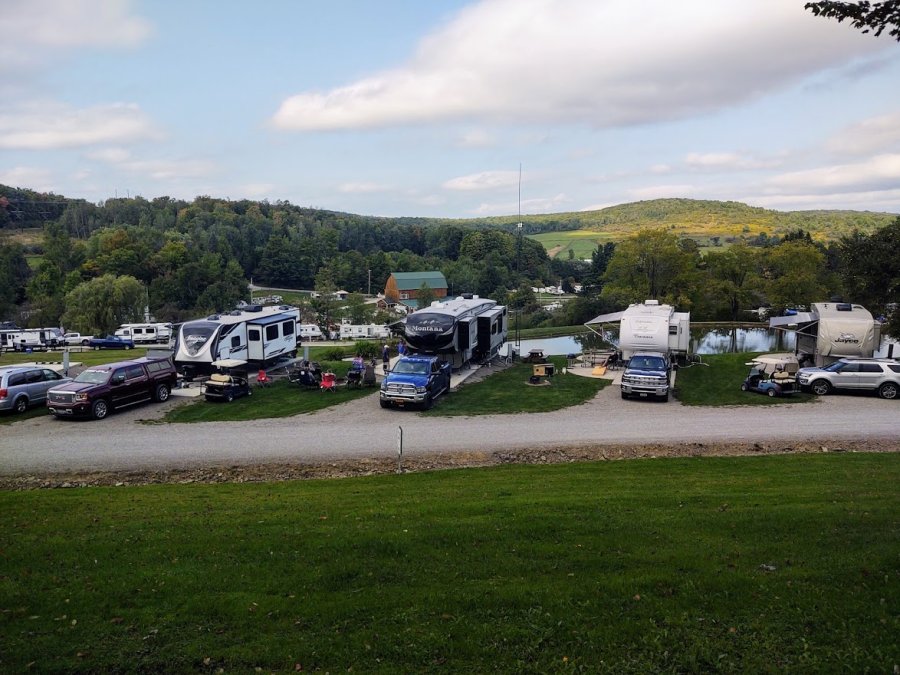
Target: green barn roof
x=412, y=281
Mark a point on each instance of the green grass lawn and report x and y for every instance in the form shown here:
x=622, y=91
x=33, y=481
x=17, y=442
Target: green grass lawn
x=508, y=391
x=763, y=564
x=718, y=382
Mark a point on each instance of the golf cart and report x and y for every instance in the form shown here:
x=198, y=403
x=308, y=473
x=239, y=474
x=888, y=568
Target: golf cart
x=772, y=375
x=228, y=382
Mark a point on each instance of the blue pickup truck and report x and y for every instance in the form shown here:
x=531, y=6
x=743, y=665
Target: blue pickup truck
x=415, y=380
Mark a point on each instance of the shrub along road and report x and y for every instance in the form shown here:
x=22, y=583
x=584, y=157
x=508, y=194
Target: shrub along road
x=361, y=433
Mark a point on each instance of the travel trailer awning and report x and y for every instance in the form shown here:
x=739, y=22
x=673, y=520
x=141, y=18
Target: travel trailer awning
x=793, y=319
x=606, y=318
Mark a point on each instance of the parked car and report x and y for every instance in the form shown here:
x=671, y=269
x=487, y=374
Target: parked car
x=415, y=380
x=879, y=375
x=22, y=386
x=647, y=375
x=71, y=339
x=110, y=342
x=99, y=389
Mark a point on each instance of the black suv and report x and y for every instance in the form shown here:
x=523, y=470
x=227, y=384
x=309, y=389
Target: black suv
x=878, y=375
x=99, y=389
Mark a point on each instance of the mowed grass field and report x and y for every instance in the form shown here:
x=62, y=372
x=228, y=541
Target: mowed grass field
x=583, y=243
x=760, y=564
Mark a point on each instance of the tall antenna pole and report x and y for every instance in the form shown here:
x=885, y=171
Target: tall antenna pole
x=519, y=255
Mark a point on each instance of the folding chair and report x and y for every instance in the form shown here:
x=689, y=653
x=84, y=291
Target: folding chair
x=262, y=379
x=329, y=382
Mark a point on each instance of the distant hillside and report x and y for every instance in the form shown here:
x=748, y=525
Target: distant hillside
x=695, y=218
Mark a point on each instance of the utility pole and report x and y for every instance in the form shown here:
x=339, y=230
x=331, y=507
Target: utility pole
x=370, y=283
x=519, y=256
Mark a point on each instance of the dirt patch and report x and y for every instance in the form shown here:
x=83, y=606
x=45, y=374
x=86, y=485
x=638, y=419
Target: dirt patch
x=372, y=467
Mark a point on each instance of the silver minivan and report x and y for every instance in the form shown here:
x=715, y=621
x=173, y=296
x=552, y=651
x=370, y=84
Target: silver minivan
x=23, y=386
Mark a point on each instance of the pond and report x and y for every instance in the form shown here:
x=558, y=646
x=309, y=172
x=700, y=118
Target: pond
x=708, y=339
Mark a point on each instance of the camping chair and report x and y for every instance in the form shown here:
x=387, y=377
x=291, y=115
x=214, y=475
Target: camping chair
x=262, y=379
x=328, y=382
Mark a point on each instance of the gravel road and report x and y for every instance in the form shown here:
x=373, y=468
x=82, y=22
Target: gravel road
x=360, y=431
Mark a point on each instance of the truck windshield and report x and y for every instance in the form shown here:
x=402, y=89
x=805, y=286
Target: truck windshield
x=411, y=367
x=648, y=363
x=92, y=376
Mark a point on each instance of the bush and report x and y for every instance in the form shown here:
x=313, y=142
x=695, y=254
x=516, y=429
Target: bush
x=367, y=349
x=333, y=354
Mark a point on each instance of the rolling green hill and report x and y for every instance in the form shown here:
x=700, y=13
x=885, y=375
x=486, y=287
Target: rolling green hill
x=708, y=222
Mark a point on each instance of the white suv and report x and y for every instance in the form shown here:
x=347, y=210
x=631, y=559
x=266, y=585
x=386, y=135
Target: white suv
x=879, y=375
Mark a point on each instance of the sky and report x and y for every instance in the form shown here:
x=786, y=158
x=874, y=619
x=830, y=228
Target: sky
x=449, y=108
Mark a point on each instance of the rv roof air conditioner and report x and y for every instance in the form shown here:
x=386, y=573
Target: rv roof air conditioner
x=844, y=307
x=213, y=317
x=651, y=302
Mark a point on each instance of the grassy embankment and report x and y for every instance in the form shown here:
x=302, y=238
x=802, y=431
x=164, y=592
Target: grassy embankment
x=765, y=564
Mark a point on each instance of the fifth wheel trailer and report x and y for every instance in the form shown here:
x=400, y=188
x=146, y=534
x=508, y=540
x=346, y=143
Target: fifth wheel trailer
x=830, y=331
x=649, y=327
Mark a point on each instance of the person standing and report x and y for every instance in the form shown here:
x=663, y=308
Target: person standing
x=401, y=348
x=386, y=357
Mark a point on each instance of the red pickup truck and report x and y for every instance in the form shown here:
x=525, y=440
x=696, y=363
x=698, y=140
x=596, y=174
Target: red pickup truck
x=99, y=389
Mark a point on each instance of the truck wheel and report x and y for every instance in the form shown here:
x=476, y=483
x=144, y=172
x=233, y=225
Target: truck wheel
x=85, y=343
x=127, y=347
x=820, y=387
x=21, y=404
x=428, y=403
x=772, y=393
x=384, y=404
x=162, y=393
x=624, y=395
x=100, y=409
x=888, y=390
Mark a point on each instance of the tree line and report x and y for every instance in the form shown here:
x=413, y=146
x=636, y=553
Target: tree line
x=99, y=265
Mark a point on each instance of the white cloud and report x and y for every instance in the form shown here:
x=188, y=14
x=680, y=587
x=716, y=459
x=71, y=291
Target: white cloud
x=486, y=180
x=886, y=200
x=726, y=161
x=596, y=62
x=876, y=134
x=661, y=192
x=362, y=188
x=46, y=125
x=476, y=138
x=878, y=173
x=156, y=169
x=541, y=205
x=34, y=31
x=28, y=177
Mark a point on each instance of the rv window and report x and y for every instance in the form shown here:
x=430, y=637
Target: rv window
x=138, y=331
x=235, y=341
x=287, y=328
x=272, y=332
x=253, y=335
x=673, y=330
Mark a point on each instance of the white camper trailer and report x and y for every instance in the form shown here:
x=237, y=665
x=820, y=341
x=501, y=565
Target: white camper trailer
x=830, y=331
x=22, y=339
x=145, y=333
x=649, y=327
x=466, y=328
x=358, y=331
x=310, y=331
x=255, y=334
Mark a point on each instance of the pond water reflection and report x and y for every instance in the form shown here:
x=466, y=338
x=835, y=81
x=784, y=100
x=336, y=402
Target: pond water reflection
x=708, y=339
